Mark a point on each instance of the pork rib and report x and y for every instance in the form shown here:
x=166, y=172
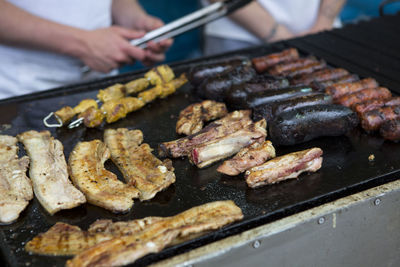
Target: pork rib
x=138, y=165
x=15, y=187
x=49, y=173
x=101, y=187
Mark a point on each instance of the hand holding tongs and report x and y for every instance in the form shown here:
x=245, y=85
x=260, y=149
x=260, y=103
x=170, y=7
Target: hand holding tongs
x=188, y=22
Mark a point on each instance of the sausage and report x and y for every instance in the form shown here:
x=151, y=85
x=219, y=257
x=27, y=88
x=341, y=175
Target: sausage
x=306, y=123
x=373, y=119
x=215, y=87
x=269, y=111
x=363, y=107
x=261, y=98
x=320, y=76
x=239, y=93
x=204, y=71
x=261, y=64
x=361, y=96
x=307, y=69
x=338, y=90
x=321, y=86
x=284, y=67
x=390, y=130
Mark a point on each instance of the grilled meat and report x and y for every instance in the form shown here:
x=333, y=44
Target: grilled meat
x=85, y=104
x=284, y=167
x=390, y=130
x=15, y=187
x=306, y=123
x=207, y=153
x=338, y=90
x=128, y=248
x=160, y=74
x=136, y=86
x=230, y=123
x=65, y=114
x=138, y=165
x=350, y=100
x=321, y=86
x=248, y=157
x=202, y=72
x=306, y=69
x=48, y=172
x=261, y=64
x=112, y=92
x=92, y=117
x=320, y=76
x=192, y=118
x=286, y=67
x=101, y=187
x=372, y=104
x=373, y=119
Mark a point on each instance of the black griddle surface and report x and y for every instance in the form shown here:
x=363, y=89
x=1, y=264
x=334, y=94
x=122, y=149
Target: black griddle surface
x=345, y=170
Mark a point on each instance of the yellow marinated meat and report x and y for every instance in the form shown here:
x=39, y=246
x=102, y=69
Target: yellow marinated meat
x=84, y=105
x=132, y=103
x=114, y=110
x=113, y=92
x=65, y=114
x=92, y=117
x=137, y=86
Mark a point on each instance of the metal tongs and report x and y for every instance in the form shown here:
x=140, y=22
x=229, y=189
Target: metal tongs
x=187, y=23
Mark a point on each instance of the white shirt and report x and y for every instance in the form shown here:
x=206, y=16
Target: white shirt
x=296, y=15
x=24, y=71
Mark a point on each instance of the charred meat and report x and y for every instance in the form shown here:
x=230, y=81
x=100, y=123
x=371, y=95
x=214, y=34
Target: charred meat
x=350, y=100
x=373, y=119
x=261, y=64
x=338, y=90
x=320, y=76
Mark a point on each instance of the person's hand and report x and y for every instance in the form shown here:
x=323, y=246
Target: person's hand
x=109, y=48
x=155, y=52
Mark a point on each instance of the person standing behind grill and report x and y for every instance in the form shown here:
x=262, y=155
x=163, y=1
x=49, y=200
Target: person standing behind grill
x=264, y=21
x=45, y=43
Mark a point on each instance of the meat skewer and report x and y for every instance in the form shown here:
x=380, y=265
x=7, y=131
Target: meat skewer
x=192, y=118
x=101, y=187
x=138, y=165
x=207, y=153
x=232, y=122
x=373, y=119
x=15, y=187
x=248, y=157
x=48, y=172
x=350, y=100
x=338, y=90
x=127, y=249
x=286, y=67
x=261, y=64
x=320, y=76
x=390, y=130
x=285, y=167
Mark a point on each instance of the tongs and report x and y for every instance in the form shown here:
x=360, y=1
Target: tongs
x=188, y=22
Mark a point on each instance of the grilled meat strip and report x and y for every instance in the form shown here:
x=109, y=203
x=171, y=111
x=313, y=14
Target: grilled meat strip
x=287, y=67
x=284, y=167
x=15, y=187
x=321, y=86
x=304, y=70
x=338, y=90
x=390, y=130
x=156, y=236
x=230, y=123
x=261, y=64
x=192, y=118
x=101, y=187
x=48, y=172
x=207, y=153
x=350, y=100
x=372, y=104
x=66, y=240
x=138, y=165
x=320, y=76
x=248, y=157
x=373, y=119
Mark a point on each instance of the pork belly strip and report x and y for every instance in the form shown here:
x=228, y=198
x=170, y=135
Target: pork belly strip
x=284, y=167
x=223, y=147
x=192, y=118
x=156, y=236
x=48, y=172
x=15, y=186
x=248, y=157
x=101, y=187
x=230, y=123
x=63, y=239
x=338, y=90
x=138, y=165
x=350, y=100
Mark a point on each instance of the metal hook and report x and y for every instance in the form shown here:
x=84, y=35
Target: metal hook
x=60, y=124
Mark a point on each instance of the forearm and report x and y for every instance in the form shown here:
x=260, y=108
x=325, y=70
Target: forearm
x=128, y=13
x=328, y=11
x=20, y=28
